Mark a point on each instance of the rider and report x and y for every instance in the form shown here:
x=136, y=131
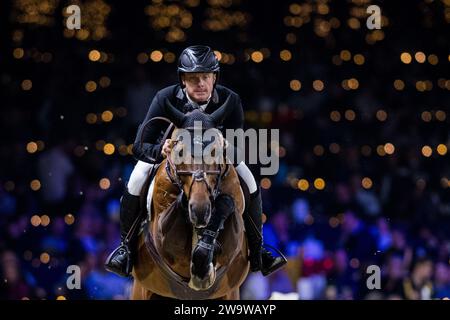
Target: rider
x=198, y=71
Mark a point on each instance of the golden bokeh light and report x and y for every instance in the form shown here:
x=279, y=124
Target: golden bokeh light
x=333, y=222
x=350, y=115
x=359, y=59
x=18, y=53
x=90, y=86
x=319, y=150
x=44, y=258
x=345, y=55
x=441, y=149
x=26, y=85
x=426, y=116
x=303, y=184
x=440, y=115
x=421, y=86
x=406, y=58
x=295, y=9
x=381, y=115
x=335, y=116
x=45, y=220
x=318, y=85
x=319, y=184
x=366, y=183
x=69, y=219
x=257, y=56
x=35, y=185
x=445, y=183
x=107, y=116
x=389, y=148
x=94, y=55
x=285, y=55
x=91, y=118
x=109, y=149
x=35, y=220
x=32, y=147
x=353, y=83
x=104, y=183
x=266, y=183
x=380, y=150
x=334, y=148
x=169, y=57
x=427, y=151
x=156, y=56
x=295, y=85
x=420, y=57
x=433, y=59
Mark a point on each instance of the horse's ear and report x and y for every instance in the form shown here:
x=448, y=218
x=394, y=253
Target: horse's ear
x=175, y=115
x=218, y=115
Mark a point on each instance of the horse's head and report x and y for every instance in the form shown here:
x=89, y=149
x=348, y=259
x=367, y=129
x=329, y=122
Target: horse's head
x=197, y=164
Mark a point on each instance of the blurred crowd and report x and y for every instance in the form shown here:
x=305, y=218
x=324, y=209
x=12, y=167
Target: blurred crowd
x=371, y=208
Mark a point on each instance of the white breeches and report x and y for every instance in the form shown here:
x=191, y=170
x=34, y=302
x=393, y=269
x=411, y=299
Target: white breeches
x=138, y=176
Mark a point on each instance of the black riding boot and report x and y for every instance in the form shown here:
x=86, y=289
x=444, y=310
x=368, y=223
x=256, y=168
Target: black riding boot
x=207, y=246
x=120, y=261
x=260, y=258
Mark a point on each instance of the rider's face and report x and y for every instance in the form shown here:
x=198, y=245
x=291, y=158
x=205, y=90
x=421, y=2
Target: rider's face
x=199, y=85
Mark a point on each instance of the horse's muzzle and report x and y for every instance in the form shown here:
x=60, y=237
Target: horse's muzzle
x=199, y=215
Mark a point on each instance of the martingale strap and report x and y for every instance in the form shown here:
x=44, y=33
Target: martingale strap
x=179, y=284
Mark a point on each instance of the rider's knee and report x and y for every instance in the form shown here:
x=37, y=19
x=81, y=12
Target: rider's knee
x=138, y=176
x=247, y=176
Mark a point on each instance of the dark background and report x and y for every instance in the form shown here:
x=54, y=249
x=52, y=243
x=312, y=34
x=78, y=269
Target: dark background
x=391, y=210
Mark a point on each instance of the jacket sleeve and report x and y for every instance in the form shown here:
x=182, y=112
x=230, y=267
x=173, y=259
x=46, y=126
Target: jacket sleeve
x=147, y=145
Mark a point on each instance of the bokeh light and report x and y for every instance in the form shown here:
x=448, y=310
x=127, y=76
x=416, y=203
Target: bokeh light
x=319, y=184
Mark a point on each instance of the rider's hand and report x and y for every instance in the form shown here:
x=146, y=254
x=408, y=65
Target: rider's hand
x=167, y=147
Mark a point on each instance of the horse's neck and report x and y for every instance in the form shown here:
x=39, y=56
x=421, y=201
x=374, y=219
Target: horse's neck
x=173, y=238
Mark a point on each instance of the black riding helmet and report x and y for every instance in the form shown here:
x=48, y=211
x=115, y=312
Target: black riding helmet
x=198, y=59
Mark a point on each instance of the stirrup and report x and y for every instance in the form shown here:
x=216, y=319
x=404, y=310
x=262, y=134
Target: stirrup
x=276, y=264
x=121, y=269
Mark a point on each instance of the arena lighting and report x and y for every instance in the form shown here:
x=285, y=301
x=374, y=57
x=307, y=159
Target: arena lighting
x=295, y=85
x=319, y=184
x=32, y=147
x=104, y=183
x=69, y=219
x=35, y=185
x=366, y=183
x=257, y=56
x=303, y=184
x=345, y=112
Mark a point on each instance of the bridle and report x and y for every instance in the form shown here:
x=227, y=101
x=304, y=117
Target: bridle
x=198, y=175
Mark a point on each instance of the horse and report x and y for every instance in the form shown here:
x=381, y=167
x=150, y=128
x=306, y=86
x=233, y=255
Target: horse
x=181, y=205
